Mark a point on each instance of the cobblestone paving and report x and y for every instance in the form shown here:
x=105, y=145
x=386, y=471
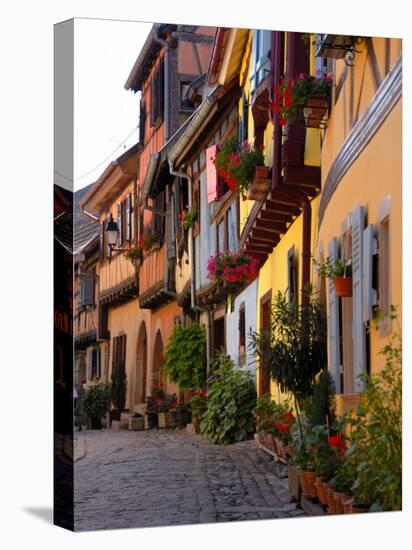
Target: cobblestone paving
x=167, y=477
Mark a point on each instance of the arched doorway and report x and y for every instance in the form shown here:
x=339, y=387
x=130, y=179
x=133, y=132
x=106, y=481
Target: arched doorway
x=141, y=365
x=158, y=375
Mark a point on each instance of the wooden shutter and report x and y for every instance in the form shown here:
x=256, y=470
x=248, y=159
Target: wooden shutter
x=98, y=363
x=108, y=248
x=358, y=328
x=142, y=121
x=88, y=293
x=161, y=94
x=369, y=293
x=82, y=290
x=128, y=209
x=102, y=233
x=119, y=223
x=89, y=364
x=333, y=323
x=211, y=174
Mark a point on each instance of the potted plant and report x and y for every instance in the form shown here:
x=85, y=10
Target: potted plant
x=198, y=405
x=151, y=414
x=237, y=163
x=233, y=269
x=162, y=414
x=95, y=403
x=340, y=271
x=304, y=97
x=134, y=254
x=188, y=218
x=231, y=398
x=118, y=390
x=136, y=422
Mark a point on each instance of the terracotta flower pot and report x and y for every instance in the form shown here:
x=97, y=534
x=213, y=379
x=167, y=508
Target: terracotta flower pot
x=304, y=484
x=294, y=484
x=310, y=478
x=338, y=502
x=345, y=502
x=330, y=500
x=288, y=450
x=343, y=286
x=321, y=491
x=358, y=508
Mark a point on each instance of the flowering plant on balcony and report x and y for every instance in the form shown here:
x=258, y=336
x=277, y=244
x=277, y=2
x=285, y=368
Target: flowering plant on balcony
x=188, y=217
x=134, y=253
x=233, y=268
x=291, y=95
x=235, y=162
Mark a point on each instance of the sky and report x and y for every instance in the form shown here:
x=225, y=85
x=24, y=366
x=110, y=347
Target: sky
x=105, y=114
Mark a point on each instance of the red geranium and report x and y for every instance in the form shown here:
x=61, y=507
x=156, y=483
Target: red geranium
x=336, y=442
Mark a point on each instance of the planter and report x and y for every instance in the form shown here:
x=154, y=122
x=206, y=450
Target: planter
x=162, y=419
x=260, y=185
x=294, y=485
x=261, y=437
x=280, y=448
x=310, y=478
x=171, y=420
x=343, y=286
x=338, y=502
x=288, y=451
x=96, y=423
x=150, y=420
x=321, y=491
x=315, y=110
x=270, y=442
x=136, y=423
x=196, y=420
x=330, y=500
x=358, y=508
x=182, y=417
x=345, y=501
x=307, y=482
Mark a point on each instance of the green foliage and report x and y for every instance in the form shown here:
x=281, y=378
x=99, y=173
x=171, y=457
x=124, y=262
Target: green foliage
x=188, y=218
x=95, y=402
x=376, y=438
x=230, y=404
x=322, y=404
x=118, y=385
x=334, y=268
x=185, y=357
x=293, y=350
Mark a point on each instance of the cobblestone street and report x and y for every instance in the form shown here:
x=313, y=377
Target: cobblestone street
x=167, y=477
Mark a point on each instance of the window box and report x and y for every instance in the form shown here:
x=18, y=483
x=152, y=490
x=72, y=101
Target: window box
x=334, y=46
x=315, y=110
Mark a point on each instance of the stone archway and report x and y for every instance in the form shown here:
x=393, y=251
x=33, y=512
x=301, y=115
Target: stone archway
x=158, y=375
x=141, y=366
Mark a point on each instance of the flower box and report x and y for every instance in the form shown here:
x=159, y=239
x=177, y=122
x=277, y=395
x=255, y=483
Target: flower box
x=315, y=109
x=260, y=185
x=343, y=286
x=294, y=484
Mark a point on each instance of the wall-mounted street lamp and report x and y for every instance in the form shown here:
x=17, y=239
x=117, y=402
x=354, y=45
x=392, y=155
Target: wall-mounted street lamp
x=112, y=232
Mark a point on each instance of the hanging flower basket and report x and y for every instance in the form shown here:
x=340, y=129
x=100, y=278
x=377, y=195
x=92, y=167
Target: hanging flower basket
x=260, y=185
x=315, y=110
x=343, y=286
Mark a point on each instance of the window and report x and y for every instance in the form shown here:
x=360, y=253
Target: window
x=185, y=103
x=157, y=95
x=120, y=223
x=242, y=328
x=292, y=276
x=128, y=215
x=261, y=46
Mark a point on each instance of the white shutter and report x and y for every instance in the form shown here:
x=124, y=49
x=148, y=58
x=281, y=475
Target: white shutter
x=119, y=224
x=128, y=217
x=89, y=364
x=358, y=327
x=253, y=59
x=369, y=293
x=333, y=323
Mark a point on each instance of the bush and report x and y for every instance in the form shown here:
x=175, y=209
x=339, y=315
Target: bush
x=376, y=438
x=230, y=404
x=118, y=385
x=185, y=357
x=95, y=402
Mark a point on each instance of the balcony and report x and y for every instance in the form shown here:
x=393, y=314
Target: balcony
x=119, y=281
x=155, y=280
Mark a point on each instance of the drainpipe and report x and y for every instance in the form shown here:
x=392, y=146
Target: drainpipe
x=193, y=305
x=166, y=47
x=277, y=56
